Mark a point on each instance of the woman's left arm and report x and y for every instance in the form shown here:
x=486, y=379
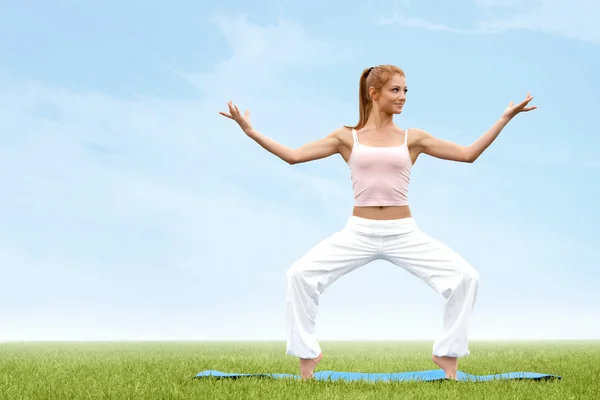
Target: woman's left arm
x=439, y=148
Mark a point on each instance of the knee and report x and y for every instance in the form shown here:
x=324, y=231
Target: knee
x=300, y=274
x=297, y=272
x=291, y=273
x=465, y=278
x=470, y=275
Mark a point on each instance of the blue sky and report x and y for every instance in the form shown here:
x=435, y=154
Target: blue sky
x=133, y=210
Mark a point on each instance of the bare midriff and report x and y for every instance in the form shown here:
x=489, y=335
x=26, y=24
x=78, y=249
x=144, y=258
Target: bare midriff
x=382, y=212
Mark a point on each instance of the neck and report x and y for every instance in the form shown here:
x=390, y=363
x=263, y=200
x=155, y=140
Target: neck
x=379, y=120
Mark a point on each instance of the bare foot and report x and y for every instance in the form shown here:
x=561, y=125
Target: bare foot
x=307, y=366
x=448, y=364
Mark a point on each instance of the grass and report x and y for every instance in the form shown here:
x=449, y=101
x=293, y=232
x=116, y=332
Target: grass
x=139, y=370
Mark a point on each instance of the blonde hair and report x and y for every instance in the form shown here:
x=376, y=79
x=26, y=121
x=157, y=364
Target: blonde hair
x=374, y=77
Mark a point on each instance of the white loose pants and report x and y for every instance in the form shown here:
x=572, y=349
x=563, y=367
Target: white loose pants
x=398, y=241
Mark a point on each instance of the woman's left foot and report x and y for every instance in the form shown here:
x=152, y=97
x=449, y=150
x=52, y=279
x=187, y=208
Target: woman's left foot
x=307, y=366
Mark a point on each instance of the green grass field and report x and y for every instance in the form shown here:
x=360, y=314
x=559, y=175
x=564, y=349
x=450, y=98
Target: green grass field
x=139, y=370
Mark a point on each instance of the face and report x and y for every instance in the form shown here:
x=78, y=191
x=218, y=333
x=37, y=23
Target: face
x=392, y=96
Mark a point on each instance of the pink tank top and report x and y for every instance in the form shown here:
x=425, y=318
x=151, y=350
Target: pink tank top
x=380, y=175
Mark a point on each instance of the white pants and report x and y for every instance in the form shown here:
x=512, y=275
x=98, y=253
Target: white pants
x=398, y=241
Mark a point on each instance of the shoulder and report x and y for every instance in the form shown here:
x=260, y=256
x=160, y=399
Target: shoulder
x=342, y=131
x=342, y=134
x=417, y=136
x=418, y=133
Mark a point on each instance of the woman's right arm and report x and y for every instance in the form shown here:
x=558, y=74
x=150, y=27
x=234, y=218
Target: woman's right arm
x=315, y=150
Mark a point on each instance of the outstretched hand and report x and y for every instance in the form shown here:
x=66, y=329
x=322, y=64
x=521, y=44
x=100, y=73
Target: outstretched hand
x=236, y=115
x=513, y=109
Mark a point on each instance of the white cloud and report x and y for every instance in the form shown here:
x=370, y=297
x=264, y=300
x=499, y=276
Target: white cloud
x=414, y=22
x=151, y=215
x=152, y=203
x=263, y=55
x=576, y=19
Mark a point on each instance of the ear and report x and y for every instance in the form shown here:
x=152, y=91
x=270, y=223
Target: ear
x=373, y=93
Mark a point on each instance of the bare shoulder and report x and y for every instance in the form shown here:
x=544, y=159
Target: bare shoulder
x=416, y=136
x=343, y=134
x=342, y=131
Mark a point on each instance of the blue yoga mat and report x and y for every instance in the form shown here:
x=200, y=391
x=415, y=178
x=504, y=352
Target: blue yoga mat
x=428, y=376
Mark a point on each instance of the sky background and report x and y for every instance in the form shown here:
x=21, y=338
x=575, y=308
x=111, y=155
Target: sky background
x=132, y=210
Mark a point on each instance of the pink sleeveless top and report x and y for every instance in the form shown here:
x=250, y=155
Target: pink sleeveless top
x=380, y=175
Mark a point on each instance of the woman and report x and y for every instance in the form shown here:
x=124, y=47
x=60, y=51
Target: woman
x=380, y=157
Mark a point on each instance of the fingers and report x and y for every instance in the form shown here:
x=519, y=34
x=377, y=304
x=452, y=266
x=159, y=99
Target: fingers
x=527, y=99
x=234, y=112
x=521, y=106
x=231, y=114
x=232, y=109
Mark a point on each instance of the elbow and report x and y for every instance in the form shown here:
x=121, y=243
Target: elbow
x=469, y=157
x=291, y=158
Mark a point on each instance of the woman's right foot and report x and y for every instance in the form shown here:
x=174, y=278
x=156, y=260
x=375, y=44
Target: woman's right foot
x=307, y=366
x=448, y=364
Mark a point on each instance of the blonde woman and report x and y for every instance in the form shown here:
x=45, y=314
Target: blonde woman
x=380, y=156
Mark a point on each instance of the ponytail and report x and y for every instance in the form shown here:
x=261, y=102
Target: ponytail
x=364, y=100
